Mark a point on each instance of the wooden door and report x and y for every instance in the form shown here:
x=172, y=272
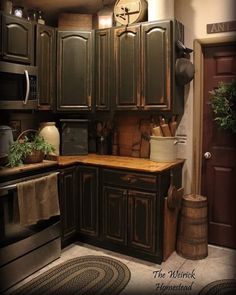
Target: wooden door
x=102, y=69
x=126, y=67
x=219, y=171
x=75, y=70
x=115, y=215
x=68, y=204
x=156, y=65
x=18, y=39
x=88, y=201
x=45, y=60
x=142, y=221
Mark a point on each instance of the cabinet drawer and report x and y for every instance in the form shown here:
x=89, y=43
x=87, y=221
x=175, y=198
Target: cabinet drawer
x=130, y=179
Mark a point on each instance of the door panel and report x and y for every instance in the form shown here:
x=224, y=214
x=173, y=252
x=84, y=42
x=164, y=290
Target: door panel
x=75, y=70
x=142, y=225
x=88, y=201
x=68, y=203
x=102, y=69
x=18, y=39
x=219, y=172
x=156, y=65
x=45, y=60
x=114, y=215
x=127, y=67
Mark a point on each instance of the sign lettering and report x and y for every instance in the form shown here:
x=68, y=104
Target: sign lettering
x=221, y=27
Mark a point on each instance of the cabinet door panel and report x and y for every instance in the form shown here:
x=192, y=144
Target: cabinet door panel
x=156, y=65
x=127, y=67
x=75, y=70
x=102, y=69
x=45, y=60
x=114, y=215
x=68, y=203
x=18, y=39
x=142, y=221
x=88, y=204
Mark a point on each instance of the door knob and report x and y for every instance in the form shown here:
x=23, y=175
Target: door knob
x=207, y=155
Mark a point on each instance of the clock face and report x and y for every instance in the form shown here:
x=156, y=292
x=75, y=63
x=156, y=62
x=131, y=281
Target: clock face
x=129, y=11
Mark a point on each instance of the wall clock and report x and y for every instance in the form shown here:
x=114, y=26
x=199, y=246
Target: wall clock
x=130, y=11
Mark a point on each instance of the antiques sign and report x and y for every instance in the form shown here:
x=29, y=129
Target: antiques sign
x=221, y=27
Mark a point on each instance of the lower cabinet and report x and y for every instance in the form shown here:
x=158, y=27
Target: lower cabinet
x=68, y=203
x=115, y=215
x=120, y=210
x=129, y=218
x=142, y=221
x=88, y=201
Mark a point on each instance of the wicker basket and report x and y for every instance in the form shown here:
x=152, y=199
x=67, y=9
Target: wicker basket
x=36, y=156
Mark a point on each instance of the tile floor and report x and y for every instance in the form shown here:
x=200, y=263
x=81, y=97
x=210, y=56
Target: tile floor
x=220, y=264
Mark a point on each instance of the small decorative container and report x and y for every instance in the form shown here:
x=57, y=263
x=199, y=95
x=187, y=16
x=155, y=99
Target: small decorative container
x=32, y=15
x=40, y=18
x=18, y=11
x=50, y=133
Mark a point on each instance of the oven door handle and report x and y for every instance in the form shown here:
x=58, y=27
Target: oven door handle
x=13, y=186
x=27, y=87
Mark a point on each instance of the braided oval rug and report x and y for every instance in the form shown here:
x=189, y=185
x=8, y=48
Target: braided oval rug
x=83, y=275
x=220, y=287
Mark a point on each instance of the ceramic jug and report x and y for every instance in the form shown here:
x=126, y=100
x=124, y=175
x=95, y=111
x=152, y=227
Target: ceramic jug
x=50, y=133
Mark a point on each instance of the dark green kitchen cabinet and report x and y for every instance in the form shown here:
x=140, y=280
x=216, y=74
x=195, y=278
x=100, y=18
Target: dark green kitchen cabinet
x=130, y=214
x=17, y=44
x=129, y=218
x=143, y=58
x=126, y=57
x=115, y=215
x=46, y=62
x=102, y=63
x=68, y=203
x=88, y=201
x=142, y=221
x=156, y=65
x=75, y=70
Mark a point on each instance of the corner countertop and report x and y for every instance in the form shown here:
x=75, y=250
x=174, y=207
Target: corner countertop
x=27, y=167
x=120, y=162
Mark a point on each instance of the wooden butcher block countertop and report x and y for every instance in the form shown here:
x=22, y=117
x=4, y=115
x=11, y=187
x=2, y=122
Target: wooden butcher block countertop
x=27, y=167
x=130, y=163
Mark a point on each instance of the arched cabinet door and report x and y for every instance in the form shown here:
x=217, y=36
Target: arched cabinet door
x=156, y=65
x=17, y=39
x=126, y=67
x=45, y=61
x=75, y=70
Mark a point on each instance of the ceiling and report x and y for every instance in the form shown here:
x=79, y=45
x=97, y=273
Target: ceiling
x=52, y=8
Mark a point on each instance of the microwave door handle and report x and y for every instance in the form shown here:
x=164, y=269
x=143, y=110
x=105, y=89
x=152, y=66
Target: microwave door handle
x=27, y=87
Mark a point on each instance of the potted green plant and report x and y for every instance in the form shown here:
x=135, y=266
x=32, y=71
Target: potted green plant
x=28, y=149
x=223, y=102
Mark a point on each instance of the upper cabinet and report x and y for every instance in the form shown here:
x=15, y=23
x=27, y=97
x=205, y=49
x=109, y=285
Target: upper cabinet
x=17, y=44
x=102, y=71
x=75, y=70
x=45, y=60
x=142, y=65
x=156, y=65
x=126, y=67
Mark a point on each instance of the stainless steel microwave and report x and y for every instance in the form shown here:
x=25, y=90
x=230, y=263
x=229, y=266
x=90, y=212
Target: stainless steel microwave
x=18, y=86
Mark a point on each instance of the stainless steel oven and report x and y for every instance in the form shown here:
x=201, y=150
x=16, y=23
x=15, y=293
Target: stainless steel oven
x=19, y=86
x=24, y=249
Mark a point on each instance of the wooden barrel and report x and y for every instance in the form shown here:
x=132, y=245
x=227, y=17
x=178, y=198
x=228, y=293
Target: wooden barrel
x=192, y=228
